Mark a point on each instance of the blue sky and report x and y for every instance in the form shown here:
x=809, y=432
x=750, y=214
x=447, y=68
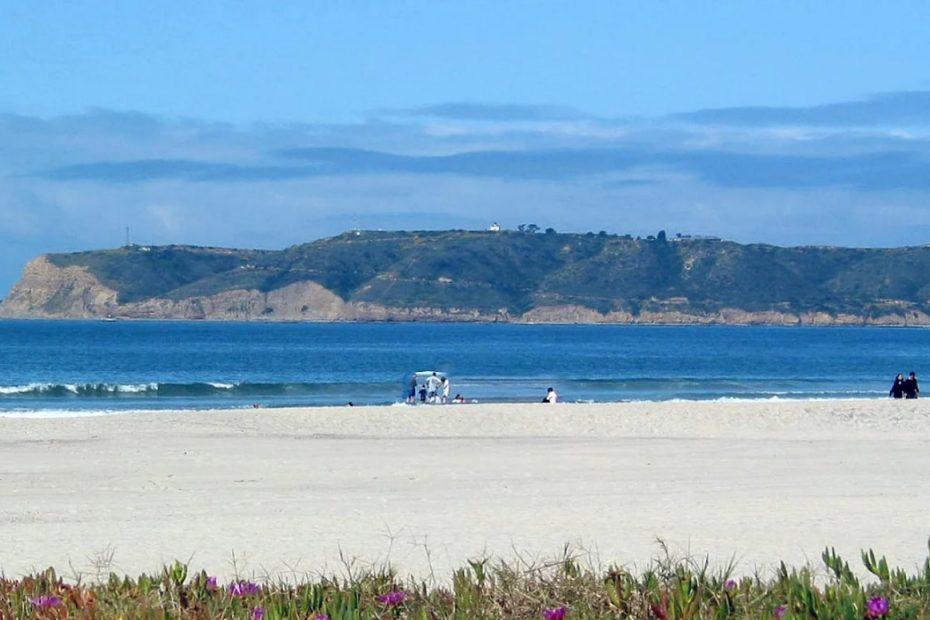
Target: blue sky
x=236, y=124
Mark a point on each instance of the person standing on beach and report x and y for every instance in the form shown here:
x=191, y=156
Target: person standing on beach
x=432, y=387
x=897, y=388
x=446, y=389
x=911, y=389
x=412, y=391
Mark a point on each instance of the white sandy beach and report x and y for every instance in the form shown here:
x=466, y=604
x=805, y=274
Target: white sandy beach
x=426, y=488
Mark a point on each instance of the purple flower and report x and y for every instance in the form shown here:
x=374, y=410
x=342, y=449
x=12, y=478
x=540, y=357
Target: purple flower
x=392, y=599
x=320, y=617
x=780, y=611
x=46, y=601
x=244, y=588
x=729, y=584
x=877, y=607
x=258, y=613
x=211, y=584
x=556, y=613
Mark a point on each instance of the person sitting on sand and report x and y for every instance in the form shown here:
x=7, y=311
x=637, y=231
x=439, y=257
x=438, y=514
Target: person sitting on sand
x=897, y=388
x=551, y=396
x=911, y=389
x=459, y=399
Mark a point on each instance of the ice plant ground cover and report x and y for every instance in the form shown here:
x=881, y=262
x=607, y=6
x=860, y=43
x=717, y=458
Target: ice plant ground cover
x=559, y=590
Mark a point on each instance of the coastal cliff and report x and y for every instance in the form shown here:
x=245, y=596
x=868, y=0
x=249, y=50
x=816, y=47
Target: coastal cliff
x=48, y=291
x=485, y=276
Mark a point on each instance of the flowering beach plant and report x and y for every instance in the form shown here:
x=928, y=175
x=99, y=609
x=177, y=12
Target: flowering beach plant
x=244, y=588
x=669, y=589
x=392, y=599
x=45, y=602
x=877, y=607
x=554, y=613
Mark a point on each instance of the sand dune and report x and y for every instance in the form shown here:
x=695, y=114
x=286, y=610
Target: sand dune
x=425, y=488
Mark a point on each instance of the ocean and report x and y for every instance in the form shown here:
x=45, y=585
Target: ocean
x=52, y=368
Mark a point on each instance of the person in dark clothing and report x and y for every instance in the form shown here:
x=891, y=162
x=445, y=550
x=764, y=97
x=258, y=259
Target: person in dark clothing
x=412, y=390
x=911, y=389
x=897, y=388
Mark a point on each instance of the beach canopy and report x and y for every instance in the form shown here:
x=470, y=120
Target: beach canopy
x=422, y=376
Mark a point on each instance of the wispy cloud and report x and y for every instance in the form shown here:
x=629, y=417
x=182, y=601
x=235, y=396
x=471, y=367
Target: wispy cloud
x=867, y=172
x=490, y=112
x=174, y=169
x=902, y=109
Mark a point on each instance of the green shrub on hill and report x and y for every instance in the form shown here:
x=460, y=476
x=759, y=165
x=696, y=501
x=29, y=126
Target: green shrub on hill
x=517, y=271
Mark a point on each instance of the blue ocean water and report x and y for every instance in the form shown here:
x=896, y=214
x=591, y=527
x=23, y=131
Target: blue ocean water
x=54, y=366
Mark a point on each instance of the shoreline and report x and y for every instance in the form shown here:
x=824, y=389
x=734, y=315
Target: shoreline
x=854, y=415
x=427, y=488
x=53, y=413
x=863, y=324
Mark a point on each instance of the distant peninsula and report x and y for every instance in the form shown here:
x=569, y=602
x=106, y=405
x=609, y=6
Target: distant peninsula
x=526, y=276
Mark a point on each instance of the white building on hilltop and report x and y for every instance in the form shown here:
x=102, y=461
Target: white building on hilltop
x=495, y=227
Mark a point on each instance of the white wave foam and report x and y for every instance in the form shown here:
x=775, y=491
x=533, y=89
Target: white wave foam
x=24, y=389
x=750, y=399
x=31, y=388
x=74, y=388
x=134, y=388
x=35, y=414
x=221, y=386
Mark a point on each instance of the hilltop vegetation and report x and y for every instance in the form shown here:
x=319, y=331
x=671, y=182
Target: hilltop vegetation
x=512, y=273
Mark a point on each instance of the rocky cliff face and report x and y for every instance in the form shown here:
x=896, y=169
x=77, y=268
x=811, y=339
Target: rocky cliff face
x=726, y=316
x=49, y=291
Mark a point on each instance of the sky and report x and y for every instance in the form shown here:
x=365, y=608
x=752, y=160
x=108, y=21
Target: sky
x=252, y=124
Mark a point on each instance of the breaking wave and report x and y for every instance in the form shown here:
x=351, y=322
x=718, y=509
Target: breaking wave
x=501, y=390
x=150, y=390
